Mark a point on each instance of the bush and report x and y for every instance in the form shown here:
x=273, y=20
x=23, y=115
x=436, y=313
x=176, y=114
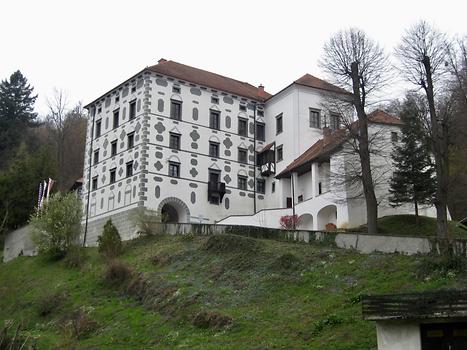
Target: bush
x=289, y=222
x=209, y=319
x=57, y=226
x=117, y=273
x=444, y=266
x=80, y=323
x=75, y=256
x=148, y=221
x=331, y=320
x=287, y=261
x=110, y=243
x=50, y=303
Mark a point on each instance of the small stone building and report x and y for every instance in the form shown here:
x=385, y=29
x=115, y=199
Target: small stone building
x=419, y=321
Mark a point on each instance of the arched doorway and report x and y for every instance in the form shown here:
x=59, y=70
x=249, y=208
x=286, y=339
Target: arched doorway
x=174, y=210
x=169, y=214
x=327, y=215
x=306, y=222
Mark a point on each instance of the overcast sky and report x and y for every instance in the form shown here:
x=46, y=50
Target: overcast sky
x=88, y=47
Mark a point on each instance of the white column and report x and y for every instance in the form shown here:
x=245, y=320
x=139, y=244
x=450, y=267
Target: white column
x=293, y=187
x=314, y=179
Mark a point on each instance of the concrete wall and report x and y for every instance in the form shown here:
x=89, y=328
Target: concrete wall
x=18, y=243
x=398, y=335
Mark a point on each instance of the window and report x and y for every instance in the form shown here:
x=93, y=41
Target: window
x=133, y=89
x=174, y=169
x=243, y=108
x=176, y=89
x=98, y=128
x=260, y=113
x=129, y=169
x=215, y=99
x=94, y=183
x=214, y=120
x=214, y=177
x=334, y=121
x=175, y=109
x=113, y=174
x=242, y=155
x=260, y=131
x=133, y=109
x=260, y=186
x=113, y=148
x=131, y=140
x=242, y=127
x=174, y=141
x=117, y=99
x=242, y=182
x=116, y=117
x=279, y=124
x=315, y=120
x=96, y=156
x=320, y=188
x=279, y=153
x=99, y=110
x=394, y=136
x=213, y=149
x=273, y=187
x=300, y=198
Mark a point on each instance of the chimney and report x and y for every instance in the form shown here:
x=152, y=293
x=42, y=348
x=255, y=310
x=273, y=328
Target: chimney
x=261, y=90
x=326, y=134
x=162, y=60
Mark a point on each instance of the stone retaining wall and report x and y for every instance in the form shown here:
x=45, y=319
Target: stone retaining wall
x=19, y=242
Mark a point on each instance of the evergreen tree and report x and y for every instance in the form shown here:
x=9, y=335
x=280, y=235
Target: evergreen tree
x=413, y=179
x=16, y=113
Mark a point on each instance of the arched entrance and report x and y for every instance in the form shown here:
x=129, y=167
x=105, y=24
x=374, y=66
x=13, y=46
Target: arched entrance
x=306, y=222
x=327, y=215
x=174, y=210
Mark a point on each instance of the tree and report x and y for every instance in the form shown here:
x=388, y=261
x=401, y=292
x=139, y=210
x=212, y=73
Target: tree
x=16, y=113
x=19, y=185
x=57, y=225
x=413, y=178
x=67, y=128
x=356, y=62
x=423, y=58
x=110, y=242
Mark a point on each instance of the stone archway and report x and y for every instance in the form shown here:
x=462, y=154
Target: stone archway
x=174, y=210
x=306, y=222
x=327, y=215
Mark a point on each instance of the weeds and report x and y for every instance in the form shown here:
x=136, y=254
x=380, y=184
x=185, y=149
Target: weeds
x=210, y=319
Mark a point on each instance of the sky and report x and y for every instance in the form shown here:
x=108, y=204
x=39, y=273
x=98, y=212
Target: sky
x=88, y=47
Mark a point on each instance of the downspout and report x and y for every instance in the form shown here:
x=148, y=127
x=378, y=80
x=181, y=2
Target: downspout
x=89, y=178
x=254, y=156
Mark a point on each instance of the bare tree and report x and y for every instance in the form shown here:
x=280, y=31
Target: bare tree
x=357, y=63
x=68, y=129
x=423, y=54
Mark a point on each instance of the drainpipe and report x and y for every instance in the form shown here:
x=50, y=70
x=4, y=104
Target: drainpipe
x=293, y=199
x=254, y=156
x=89, y=179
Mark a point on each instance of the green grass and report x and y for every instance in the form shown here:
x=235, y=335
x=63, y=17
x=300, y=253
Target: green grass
x=279, y=295
x=405, y=225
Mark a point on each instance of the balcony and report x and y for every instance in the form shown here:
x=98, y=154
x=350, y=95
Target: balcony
x=216, y=190
x=266, y=162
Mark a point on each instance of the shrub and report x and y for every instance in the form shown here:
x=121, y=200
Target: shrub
x=289, y=222
x=117, y=273
x=209, y=319
x=148, y=221
x=331, y=227
x=50, y=303
x=57, y=226
x=80, y=323
x=330, y=320
x=110, y=243
x=445, y=266
x=75, y=256
x=287, y=261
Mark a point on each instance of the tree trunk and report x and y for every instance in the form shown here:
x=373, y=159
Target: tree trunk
x=364, y=153
x=440, y=143
x=417, y=221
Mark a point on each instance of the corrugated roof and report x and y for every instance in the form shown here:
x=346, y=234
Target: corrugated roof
x=209, y=79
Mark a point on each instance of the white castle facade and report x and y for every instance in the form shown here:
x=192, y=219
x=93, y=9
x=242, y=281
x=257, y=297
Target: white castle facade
x=204, y=148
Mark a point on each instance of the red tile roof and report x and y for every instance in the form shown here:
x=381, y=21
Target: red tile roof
x=314, y=82
x=209, y=79
x=332, y=142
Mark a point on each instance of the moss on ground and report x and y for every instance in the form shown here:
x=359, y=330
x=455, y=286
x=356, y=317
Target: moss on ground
x=277, y=295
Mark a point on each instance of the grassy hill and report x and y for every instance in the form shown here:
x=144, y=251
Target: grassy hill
x=219, y=292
